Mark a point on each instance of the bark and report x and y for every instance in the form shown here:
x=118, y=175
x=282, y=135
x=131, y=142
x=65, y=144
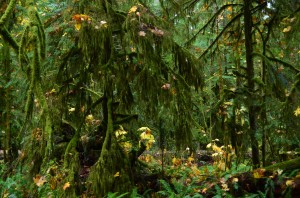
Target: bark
x=251, y=86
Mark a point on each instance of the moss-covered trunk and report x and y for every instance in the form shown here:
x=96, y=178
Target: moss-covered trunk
x=112, y=171
x=251, y=86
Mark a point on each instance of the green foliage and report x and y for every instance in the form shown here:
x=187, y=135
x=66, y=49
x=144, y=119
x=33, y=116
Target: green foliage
x=178, y=189
x=14, y=186
x=176, y=66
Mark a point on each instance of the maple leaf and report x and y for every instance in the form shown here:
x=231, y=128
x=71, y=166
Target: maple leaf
x=66, y=185
x=39, y=180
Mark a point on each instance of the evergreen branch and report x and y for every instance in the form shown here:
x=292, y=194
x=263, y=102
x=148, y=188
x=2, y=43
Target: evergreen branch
x=220, y=34
x=7, y=12
x=211, y=20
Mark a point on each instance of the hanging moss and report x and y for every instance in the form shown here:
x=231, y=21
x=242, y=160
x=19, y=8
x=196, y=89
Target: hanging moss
x=9, y=39
x=22, y=46
x=7, y=12
x=112, y=172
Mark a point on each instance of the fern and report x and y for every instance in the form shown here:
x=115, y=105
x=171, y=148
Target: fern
x=167, y=189
x=115, y=195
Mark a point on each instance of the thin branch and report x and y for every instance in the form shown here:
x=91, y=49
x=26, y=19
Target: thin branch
x=221, y=34
x=210, y=20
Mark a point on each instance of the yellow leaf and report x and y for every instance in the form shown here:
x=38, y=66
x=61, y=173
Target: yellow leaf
x=297, y=111
x=133, y=9
x=39, y=180
x=117, y=174
x=53, y=183
x=235, y=179
x=66, y=185
x=190, y=159
x=221, y=166
x=287, y=29
x=229, y=8
x=258, y=173
x=208, y=146
x=77, y=26
x=204, y=190
x=289, y=182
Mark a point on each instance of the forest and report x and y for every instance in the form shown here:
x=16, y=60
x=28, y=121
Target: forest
x=149, y=98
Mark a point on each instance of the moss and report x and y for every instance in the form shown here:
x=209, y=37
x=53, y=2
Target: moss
x=7, y=12
x=112, y=172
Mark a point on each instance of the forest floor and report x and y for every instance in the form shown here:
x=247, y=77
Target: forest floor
x=182, y=175
x=207, y=174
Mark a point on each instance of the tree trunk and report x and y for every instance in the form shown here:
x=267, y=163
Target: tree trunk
x=251, y=86
x=112, y=171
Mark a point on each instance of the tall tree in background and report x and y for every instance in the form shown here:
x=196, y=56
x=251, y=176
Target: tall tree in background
x=250, y=79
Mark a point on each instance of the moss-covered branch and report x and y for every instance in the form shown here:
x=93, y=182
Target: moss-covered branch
x=286, y=165
x=9, y=39
x=7, y=12
x=212, y=19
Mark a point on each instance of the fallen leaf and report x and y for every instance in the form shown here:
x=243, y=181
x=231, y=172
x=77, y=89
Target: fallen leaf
x=66, y=185
x=258, y=173
x=39, y=180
